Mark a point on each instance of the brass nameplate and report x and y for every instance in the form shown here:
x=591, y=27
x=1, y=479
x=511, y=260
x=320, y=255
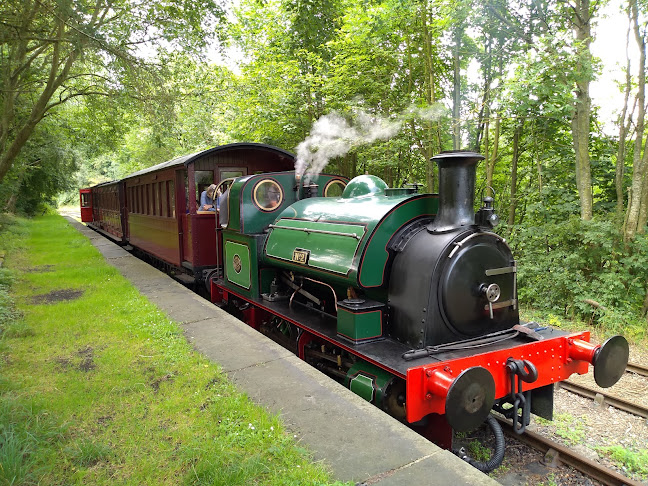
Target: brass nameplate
x=300, y=256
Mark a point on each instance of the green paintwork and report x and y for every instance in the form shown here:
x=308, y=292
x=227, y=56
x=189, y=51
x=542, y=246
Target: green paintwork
x=359, y=326
x=341, y=258
x=373, y=265
x=368, y=381
x=363, y=386
x=329, y=252
x=248, y=285
x=246, y=217
x=247, y=225
x=238, y=266
x=364, y=185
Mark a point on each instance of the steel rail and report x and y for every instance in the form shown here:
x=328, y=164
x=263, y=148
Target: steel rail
x=619, y=403
x=637, y=369
x=579, y=462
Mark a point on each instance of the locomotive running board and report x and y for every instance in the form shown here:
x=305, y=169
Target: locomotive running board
x=386, y=354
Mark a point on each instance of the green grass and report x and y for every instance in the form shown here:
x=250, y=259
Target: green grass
x=104, y=389
x=570, y=428
x=633, y=461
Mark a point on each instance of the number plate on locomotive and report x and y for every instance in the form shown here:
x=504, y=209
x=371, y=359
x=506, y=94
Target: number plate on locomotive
x=300, y=256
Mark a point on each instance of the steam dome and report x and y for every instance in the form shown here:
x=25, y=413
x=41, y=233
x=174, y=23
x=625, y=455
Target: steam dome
x=364, y=185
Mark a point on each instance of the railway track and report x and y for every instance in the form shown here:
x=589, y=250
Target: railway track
x=619, y=403
x=637, y=369
x=579, y=462
x=603, y=398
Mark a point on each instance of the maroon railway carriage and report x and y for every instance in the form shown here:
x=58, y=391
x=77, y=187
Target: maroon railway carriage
x=158, y=207
x=107, y=207
x=85, y=200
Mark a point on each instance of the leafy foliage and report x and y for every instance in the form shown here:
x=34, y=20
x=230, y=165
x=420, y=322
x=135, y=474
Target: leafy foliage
x=140, y=91
x=581, y=269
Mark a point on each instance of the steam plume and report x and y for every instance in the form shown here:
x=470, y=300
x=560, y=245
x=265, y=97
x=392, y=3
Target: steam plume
x=333, y=136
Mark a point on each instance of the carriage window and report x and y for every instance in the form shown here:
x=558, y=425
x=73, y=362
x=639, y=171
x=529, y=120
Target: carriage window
x=164, y=199
x=203, y=180
x=172, y=212
x=85, y=200
x=156, y=199
x=268, y=195
x=230, y=174
x=334, y=188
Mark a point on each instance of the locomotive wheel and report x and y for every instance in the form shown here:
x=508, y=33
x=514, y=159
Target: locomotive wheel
x=470, y=399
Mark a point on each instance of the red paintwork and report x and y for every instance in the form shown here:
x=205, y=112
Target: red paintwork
x=108, y=208
x=436, y=429
x=188, y=238
x=221, y=294
x=305, y=338
x=427, y=385
x=155, y=209
x=201, y=234
x=581, y=350
x=156, y=235
x=147, y=229
x=85, y=196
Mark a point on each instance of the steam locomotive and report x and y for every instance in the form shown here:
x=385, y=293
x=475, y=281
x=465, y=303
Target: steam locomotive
x=408, y=299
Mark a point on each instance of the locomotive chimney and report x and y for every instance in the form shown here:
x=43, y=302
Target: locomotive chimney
x=457, y=171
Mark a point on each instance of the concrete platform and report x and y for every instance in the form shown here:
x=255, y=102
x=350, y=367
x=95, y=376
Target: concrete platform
x=353, y=438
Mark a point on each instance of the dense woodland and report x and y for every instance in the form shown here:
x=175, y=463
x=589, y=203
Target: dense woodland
x=92, y=90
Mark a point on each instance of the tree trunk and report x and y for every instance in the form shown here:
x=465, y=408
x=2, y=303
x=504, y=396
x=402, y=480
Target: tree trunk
x=514, y=168
x=624, y=127
x=60, y=64
x=456, y=96
x=639, y=162
x=484, y=110
x=434, y=144
x=490, y=162
x=643, y=210
x=582, y=108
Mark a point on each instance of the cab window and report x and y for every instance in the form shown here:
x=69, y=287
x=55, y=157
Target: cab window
x=268, y=195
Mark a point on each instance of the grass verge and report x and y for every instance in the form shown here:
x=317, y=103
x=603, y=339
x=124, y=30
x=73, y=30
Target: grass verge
x=632, y=461
x=97, y=386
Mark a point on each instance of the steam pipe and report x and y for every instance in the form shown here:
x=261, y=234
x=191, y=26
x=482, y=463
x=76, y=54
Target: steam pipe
x=297, y=187
x=456, y=190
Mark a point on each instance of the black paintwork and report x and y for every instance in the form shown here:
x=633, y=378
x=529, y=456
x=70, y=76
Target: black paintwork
x=386, y=353
x=456, y=190
x=434, y=289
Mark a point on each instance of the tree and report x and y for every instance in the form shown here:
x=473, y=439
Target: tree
x=582, y=15
x=637, y=210
x=54, y=51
